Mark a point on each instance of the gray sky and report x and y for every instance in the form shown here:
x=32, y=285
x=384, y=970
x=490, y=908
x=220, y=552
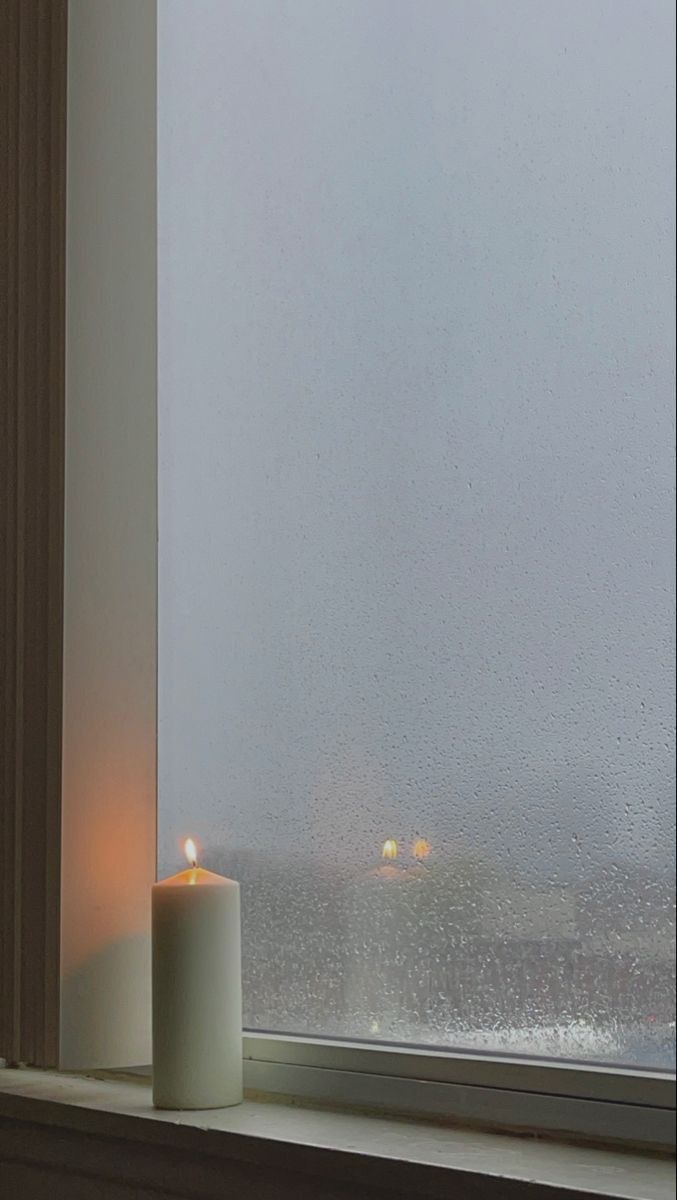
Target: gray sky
x=416, y=379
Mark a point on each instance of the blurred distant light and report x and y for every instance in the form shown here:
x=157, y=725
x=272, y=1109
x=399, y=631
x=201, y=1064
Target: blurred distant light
x=421, y=848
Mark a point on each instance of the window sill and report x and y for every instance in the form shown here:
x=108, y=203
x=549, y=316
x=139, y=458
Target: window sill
x=108, y=1129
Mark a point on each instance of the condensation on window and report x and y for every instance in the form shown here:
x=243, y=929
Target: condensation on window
x=416, y=516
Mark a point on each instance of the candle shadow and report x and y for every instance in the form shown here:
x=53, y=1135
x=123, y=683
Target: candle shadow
x=106, y=1007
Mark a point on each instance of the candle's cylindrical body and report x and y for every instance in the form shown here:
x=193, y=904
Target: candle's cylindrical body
x=197, y=992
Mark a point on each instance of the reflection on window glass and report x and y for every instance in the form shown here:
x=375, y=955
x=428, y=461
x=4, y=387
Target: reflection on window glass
x=416, y=610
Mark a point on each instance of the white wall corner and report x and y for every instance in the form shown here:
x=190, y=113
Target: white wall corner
x=110, y=624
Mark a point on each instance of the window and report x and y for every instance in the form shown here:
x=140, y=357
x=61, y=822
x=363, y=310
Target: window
x=415, y=631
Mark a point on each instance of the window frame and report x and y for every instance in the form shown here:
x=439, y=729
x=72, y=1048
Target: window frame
x=538, y=1096
x=559, y=1098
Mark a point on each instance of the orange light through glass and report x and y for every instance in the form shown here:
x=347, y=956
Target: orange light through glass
x=389, y=848
x=421, y=848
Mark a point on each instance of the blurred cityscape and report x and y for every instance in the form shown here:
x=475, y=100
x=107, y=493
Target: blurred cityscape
x=453, y=953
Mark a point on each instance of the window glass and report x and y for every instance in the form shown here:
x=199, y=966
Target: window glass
x=416, y=608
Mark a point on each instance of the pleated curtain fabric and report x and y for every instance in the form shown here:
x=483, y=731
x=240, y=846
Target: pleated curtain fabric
x=33, y=40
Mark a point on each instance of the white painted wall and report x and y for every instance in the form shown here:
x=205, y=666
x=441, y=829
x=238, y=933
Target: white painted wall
x=108, y=842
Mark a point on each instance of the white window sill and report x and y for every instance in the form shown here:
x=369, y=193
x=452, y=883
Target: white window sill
x=108, y=1129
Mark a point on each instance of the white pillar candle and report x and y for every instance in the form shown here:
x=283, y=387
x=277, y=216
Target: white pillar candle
x=197, y=990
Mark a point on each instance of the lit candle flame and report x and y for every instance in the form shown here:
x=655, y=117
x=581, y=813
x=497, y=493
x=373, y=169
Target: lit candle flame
x=190, y=851
x=421, y=848
x=389, y=848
